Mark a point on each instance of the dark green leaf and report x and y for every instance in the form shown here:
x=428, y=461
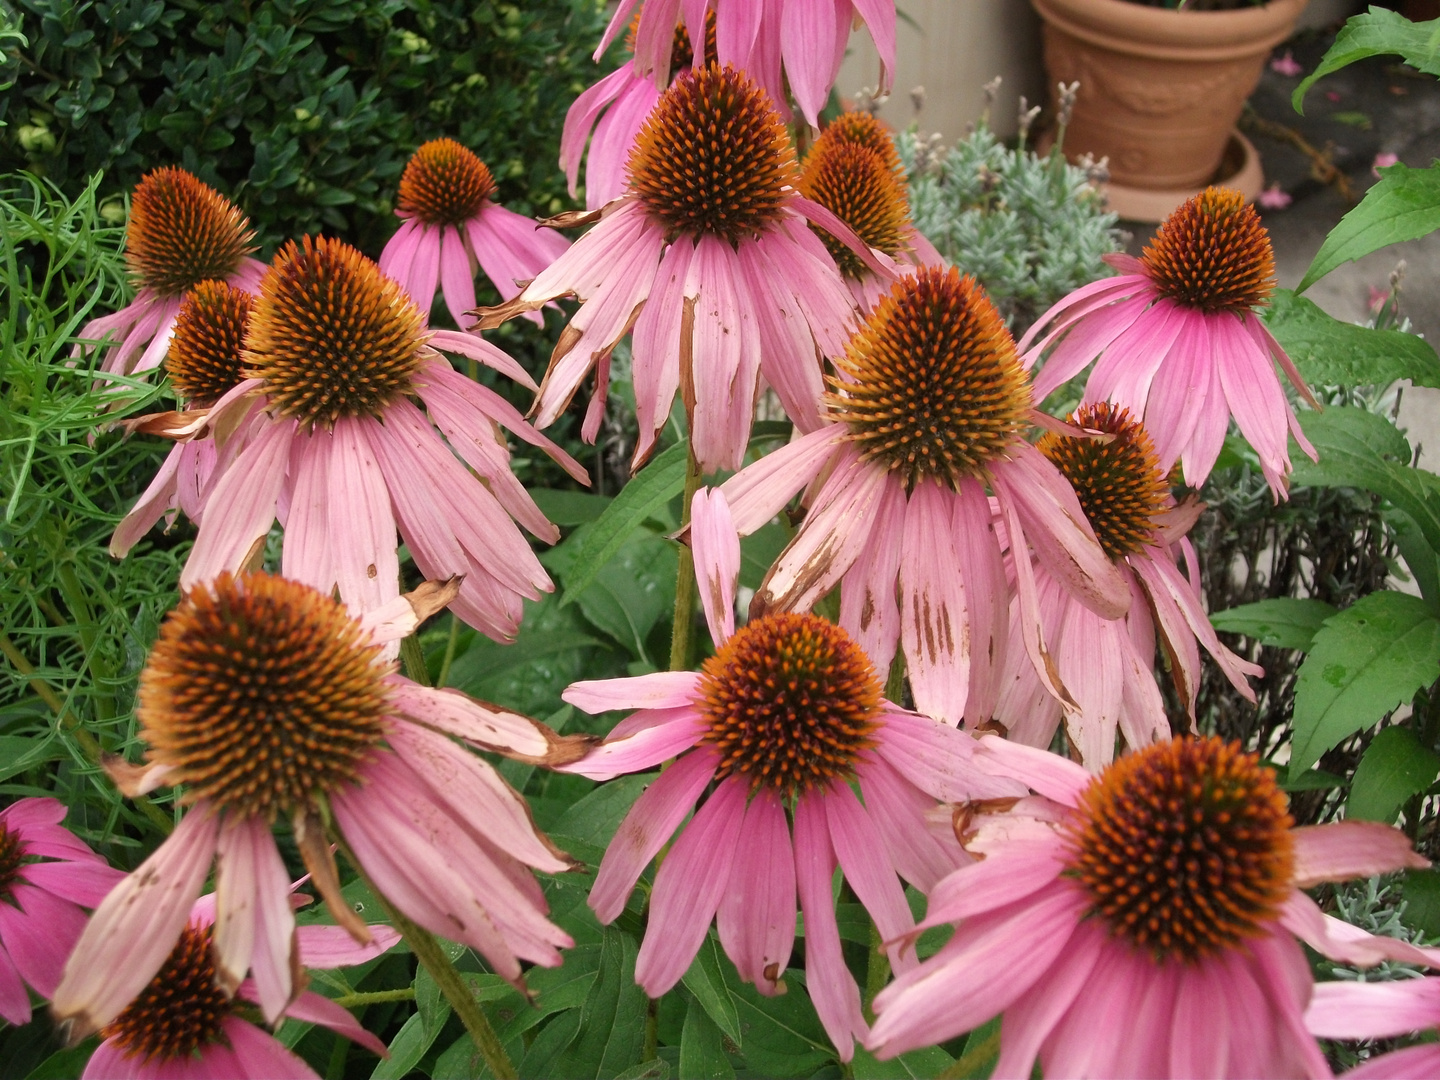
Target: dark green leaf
x=556, y=989
x=758, y=552
x=1420, y=558
x=1307, y=780
x=612, y=1020
x=633, y=591
x=706, y=980
x=569, y=507
x=782, y=1036
x=702, y=1049
x=1395, y=766
x=406, y=1050
x=982, y=1050
x=1421, y=890
x=430, y=1003
x=646, y=493
x=593, y=820
x=555, y=1039
x=63, y=1064
x=18, y=753
x=916, y=1065
x=1285, y=622
x=1364, y=662
x=1376, y=33
x=654, y=1069
x=1330, y=352
x=1404, y=205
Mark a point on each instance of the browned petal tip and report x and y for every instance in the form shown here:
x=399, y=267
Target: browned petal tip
x=566, y=749
x=319, y=859
x=132, y=780
x=571, y=218
x=180, y=426
x=491, y=317
x=434, y=596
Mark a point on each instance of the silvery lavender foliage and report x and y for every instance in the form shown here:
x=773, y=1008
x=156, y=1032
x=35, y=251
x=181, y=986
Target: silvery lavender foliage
x=1030, y=227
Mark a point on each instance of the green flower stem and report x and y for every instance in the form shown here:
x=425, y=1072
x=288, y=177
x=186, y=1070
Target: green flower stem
x=374, y=997
x=449, y=651
x=877, y=971
x=413, y=657
x=685, y=578
x=974, y=1059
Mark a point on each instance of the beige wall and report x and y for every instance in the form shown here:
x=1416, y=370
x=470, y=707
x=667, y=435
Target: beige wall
x=953, y=48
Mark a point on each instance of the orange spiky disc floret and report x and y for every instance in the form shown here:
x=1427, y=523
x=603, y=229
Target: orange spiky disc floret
x=792, y=702
x=1212, y=253
x=204, y=359
x=1118, y=482
x=713, y=157
x=931, y=385
x=182, y=1008
x=444, y=184
x=262, y=695
x=182, y=231
x=864, y=129
x=331, y=335
x=1184, y=848
x=853, y=183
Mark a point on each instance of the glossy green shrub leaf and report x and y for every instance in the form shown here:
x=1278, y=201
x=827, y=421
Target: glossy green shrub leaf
x=1364, y=662
x=1378, y=32
x=780, y=1036
x=702, y=1049
x=1395, y=767
x=1286, y=622
x=1404, y=205
x=406, y=1049
x=1330, y=352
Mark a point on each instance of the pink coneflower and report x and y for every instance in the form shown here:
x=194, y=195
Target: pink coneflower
x=40, y=901
x=1381, y=1010
x=267, y=700
x=1142, y=922
x=929, y=407
x=451, y=224
x=181, y=232
x=786, y=715
x=707, y=257
x=626, y=98
x=854, y=171
x=807, y=37
x=1179, y=343
x=324, y=435
x=184, y=1023
x=1108, y=665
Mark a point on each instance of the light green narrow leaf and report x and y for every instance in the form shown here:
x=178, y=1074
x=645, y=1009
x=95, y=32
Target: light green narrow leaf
x=1395, y=766
x=702, y=1050
x=1404, y=205
x=1285, y=622
x=406, y=1050
x=612, y=1020
x=1378, y=32
x=1330, y=352
x=1363, y=662
x=706, y=980
x=430, y=1003
x=647, y=492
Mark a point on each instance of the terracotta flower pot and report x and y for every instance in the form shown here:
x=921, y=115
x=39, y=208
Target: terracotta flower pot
x=1160, y=90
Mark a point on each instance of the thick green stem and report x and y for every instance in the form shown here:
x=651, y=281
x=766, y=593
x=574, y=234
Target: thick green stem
x=374, y=997
x=413, y=657
x=685, y=578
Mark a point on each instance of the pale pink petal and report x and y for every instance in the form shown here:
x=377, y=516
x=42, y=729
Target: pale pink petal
x=736, y=27
x=1252, y=393
x=1125, y=370
x=333, y=947
x=607, y=168
x=642, y=750
x=1030, y=622
x=879, y=19
x=940, y=760
x=580, y=119
x=725, y=356
x=399, y=250
x=760, y=491
x=897, y=808
x=658, y=690
x=757, y=913
x=169, y=308
x=935, y=627
x=716, y=546
x=1029, y=1021
x=159, y=497
x=1343, y=850
x=1090, y=338
x=457, y=282
x=1181, y=648
x=643, y=719
x=878, y=263
x=987, y=598
x=867, y=866
x=1284, y=975
x=1178, y=394
x=619, y=20
x=1379, y=1010
x=656, y=344
x=1413, y=1063
x=253, y=916
x=653, y=38
x=688, y=888
x=800, y=262
x=14, y=998
x=592, y=260
x=1021, y=870
x=425, y=269
x=474, y=347
x=367, y=565
x=83, y=883
x=869, y=604
x=307, y=555
x=1092, y=663
x=488, y=726
x=1348, y=944
x=258, y=1054
x=788, y=357
x=39, y=935
x=314, y=1009
x=1045, y=773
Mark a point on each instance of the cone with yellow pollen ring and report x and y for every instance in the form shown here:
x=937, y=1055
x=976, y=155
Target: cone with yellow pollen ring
x=1146, y=925
x=849, y=172
x=928, y=410
x=452, y=224
x=325, y=425
x=181, y=232
x=1108, y=664
x=1179, y=342
x=267, y=701
x=708, y=260
x=786, y=716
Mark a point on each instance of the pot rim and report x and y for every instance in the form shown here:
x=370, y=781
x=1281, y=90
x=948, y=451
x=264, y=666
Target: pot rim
x=1159, y=33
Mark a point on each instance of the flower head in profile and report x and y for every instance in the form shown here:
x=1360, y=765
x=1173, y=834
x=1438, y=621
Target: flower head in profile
x=929, y=409
x=184, y=1023
x=451, y=224
x=794, y=44
x=181, y=232
x=324, y=434
x=1142, y=922
x=47, y=875
x=707, y=259
x=782, y=720
x=1108, y=664
x=854, y=171
x=265, y=700
x=1179, y=343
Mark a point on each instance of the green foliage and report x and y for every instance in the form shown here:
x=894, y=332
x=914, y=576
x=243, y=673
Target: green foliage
x=1329, y=352
x=1396, y=767
x=1404, y=205
x=1030, y=228
x=1378, y=32
x=1286, y=622
x=304, y=113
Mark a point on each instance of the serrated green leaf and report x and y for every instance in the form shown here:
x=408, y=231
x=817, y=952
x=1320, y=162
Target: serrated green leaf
x=1330, y=352
x=706, y=980
x=702, y=1048
x=1364, y=662
x=612, y=1020
x=406, y=1049
x=916, y=1065
x=1378, y=32
x=1395, y=767
x=1285, y=622
x=1421, y=890
x=646, y=493
x=1404, y=205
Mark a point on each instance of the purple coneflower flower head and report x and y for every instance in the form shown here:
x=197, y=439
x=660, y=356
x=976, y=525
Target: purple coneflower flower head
x=784, y=717
x=324, y=434
x=854, y=171
x=451, y=224
x=1108, y=664
x=266, y=699
x=708, y=259
x=185, y=1024
x=807, y=37
x=1179, y=342
x=181, y=232
x=1381, y=1010
x=1142, y=922
x=47, y=875
x=928, y=409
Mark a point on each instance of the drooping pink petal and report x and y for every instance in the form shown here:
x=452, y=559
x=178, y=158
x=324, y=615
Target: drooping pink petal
x=156, y=499
x=399, y=251
x=474, y=347
x=14, y=998
x=1125, y=370
x=717, y=560
x=580, y=119
x=788, y=358
x=1030, y=621
x=333, y=947
x=658, y=690
x=642, y=750
x=736, y=27
x=168, y=308
x=84, y=883
x=1253, y=395
x=725, y=352
x=877, y=262
x=487, y=726
x=1342, y=850
x=935, y=617
x=1284, y=976
x=653, y=39
x=1178, y=395
x=760, y=491
x=869, y=605
x=39, y=935
x=656, y=342
x=868, y=868
x=362, y=533
x=1346, y=943
x=1023, y=869
x=315, y=1009
x=987, y=597
x=257, y=1053
x=619, y=20
x=1046, y=773
x=879, y=19
x=457, y=282
x=425, y=269
x=1092, y=663
x=308, y=554
x=688, y=889
x=897, y=808
x=254, y=922
x=1413, y=1063
x=1113, y=314
x=757, y=913
x=1029, y=1021
x=1378, y=1010
x=939, y=759
x=606, y=168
